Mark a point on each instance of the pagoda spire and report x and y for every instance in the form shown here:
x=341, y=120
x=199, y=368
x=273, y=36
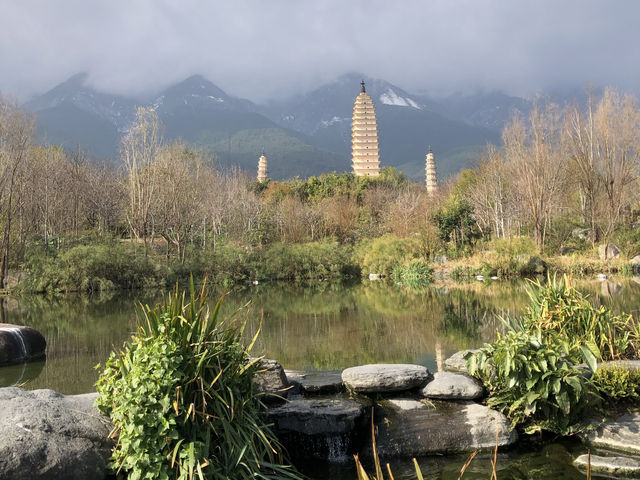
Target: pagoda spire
x=364, y=136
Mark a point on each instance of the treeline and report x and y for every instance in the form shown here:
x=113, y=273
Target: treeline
x=565, y=177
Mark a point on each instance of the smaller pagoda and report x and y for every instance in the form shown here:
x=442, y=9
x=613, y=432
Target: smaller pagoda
x=262, y=168
x=432, y=178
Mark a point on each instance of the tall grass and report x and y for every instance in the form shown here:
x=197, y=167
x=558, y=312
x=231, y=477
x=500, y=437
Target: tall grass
x=181, y=397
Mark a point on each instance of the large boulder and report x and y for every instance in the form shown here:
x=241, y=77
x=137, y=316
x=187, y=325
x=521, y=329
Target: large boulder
x=47, y=435
x=412, y=428
x=19, y=344
x=622, y=433
x=453, y=386
x=385, y=377
x=328, y=429
x=271, y=381
x=607, y=251
x=456, y=362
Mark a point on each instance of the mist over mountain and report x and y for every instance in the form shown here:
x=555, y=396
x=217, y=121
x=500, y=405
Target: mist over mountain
x=304, y=135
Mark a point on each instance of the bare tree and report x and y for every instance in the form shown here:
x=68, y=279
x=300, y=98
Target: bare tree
x=533, y=153
x=16, y=129
x=139, y=150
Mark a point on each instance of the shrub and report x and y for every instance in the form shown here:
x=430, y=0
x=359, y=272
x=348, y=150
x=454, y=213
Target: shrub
x=416, y=273
x=615, y=383
x=181, y=397
x=383, y=254
x=558, y=308
x=534, y=381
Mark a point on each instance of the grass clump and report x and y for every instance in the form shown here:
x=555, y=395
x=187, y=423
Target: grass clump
x=182, y=400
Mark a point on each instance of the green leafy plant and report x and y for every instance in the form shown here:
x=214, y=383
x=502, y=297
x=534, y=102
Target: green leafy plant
x=558, y=308
x=181, y=397
x=534, y=381
x=616, y=382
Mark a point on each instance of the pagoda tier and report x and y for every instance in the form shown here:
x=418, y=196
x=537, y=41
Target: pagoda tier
x=262, y=168
x=431, y=177
x=365, y=158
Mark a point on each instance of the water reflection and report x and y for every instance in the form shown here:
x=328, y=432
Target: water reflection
x=323, y=327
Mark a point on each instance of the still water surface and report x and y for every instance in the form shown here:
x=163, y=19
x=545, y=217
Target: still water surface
x=319, y=327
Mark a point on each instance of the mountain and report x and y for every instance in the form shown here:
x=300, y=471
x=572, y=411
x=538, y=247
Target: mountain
x=407, y=125
x=194, y=110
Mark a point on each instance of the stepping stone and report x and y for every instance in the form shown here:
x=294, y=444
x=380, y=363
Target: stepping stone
x=453, y=386
x=618, y=466
x=317, y=383
x=385, y=377
x=456, y=362
x=622, y=433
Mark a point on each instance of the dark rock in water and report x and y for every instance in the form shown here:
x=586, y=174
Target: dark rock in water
x=385, y=377
x=20, y=344
x=614, y=465
x=456, y=362
x=411, y=428
x=330, y=429
x=622, y=433
x=46, y=435
x=317, y=383
x=271, y=381
x=453, y=386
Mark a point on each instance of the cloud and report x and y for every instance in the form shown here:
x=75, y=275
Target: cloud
x=262, y=49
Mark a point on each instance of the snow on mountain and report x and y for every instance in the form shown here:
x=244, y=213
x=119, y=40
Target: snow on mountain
x=390, y=97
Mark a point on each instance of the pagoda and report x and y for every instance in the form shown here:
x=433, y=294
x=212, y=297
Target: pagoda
x=364, y=136
x=430, y=168
x=262, y=168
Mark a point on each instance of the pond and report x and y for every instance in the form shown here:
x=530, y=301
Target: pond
x=318, y=327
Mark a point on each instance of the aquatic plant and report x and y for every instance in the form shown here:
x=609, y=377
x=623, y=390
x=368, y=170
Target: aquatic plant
x=181, y=397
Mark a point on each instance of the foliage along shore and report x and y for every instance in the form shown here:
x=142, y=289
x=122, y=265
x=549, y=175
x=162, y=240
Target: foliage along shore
x=564, y=180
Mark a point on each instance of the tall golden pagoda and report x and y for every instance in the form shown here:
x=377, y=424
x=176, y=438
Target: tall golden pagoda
x=430, y=168
x=364, y=136
x=262, y=168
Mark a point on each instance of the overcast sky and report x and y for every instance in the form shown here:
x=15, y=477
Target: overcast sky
x=269, y=48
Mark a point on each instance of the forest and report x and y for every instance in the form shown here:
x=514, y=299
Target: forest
x=564, y=180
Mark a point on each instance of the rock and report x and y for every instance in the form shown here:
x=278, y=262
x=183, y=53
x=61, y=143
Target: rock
x=20, y=344
x=456, y=362
x=635, y=264
x=271, y=380
x=624, y=364
x=47, y=435
x=438, y=427
x=385, y=377
x=619, y=466
x=535, y=264
x=439, y=259
x=581, y=233
x=566, y=250
x=328, y=429
x=375, y=276
x=453, y=386
x=622, y=433
x=317, y=383
x=607, y=251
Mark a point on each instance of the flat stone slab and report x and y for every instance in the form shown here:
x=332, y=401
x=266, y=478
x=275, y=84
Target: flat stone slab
x=618, y=466
x=317, y=383
x=622, y=433
x=438, y=427
x=453, y=386
x=456, y=362
x=385, y=377
x=47, y=435
x=624, y=364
